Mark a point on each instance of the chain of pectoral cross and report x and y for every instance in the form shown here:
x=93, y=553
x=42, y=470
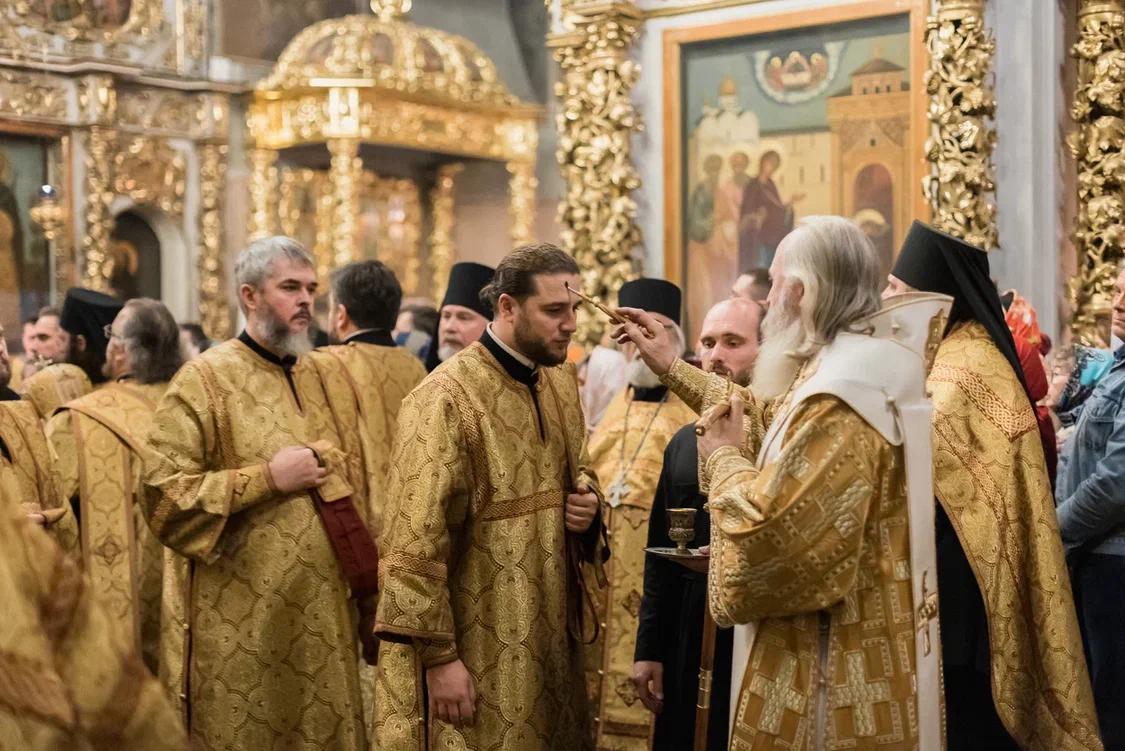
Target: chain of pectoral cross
x=620, y=489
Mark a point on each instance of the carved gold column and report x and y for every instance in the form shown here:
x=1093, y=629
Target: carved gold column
x=263, y=193
x=98, y=166
x=441, y=236
x=962, y=102
x=596, y=121
x=214, y=310
x=1099, y=111
x=522, y=183
x=345, y=176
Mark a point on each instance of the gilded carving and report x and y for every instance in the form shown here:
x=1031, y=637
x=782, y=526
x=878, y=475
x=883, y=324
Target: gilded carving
x=150, y=172
x=85, y=22
x=961, y=104
x=98, y=163
x=263, y=193
x=1099, y=111
x=442, y=252
x=32, y=96
x=214, y=309
x=346, y=172
x=596, y=121
x=157, y=112
x=521, y=193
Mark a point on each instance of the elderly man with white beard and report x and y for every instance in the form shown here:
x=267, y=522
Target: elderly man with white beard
x=822, y=547
x=627, y=451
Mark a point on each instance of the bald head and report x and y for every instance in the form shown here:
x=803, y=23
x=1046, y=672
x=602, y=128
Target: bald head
x=728, y=342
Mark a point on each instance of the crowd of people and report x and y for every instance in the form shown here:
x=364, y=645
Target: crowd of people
x=449, y=527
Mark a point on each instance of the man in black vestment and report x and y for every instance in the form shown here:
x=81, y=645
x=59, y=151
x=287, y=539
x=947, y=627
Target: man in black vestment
x=670, y=634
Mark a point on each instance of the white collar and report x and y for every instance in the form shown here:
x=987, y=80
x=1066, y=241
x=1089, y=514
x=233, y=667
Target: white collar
x=521, y=359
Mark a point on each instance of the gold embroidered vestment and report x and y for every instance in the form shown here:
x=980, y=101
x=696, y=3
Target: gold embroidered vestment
x=623, y=722
x=69, y=678
x=54, y=386
x=815, y=548
x=991, y=479
x=474, y=558
x=26, y=475
x=98, y=443
x=258, y=633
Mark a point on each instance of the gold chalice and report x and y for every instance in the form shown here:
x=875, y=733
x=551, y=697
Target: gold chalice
x=681, y=528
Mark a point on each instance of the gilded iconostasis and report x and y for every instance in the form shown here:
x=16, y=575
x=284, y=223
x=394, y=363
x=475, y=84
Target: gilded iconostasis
x=143, y=142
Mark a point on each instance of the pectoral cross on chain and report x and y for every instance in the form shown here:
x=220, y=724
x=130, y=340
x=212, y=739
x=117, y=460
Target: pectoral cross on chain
x=618, y=492
x=927, y=612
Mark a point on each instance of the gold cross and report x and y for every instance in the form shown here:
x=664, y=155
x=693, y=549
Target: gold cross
x=927, y=612
x=777, y=695
x=859, y=695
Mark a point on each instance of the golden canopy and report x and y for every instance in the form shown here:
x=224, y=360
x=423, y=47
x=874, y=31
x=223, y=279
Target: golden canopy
x=380, y=79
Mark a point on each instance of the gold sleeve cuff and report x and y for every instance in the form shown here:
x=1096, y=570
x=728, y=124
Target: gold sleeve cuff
x=252, y=485
x=724, y=462
x=689, y=383
x=435, y=653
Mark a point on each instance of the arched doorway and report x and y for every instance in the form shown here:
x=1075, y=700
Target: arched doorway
x=134, y=252
x=874, y=201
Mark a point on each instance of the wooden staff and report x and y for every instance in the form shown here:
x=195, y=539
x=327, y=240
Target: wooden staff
x=706, y=674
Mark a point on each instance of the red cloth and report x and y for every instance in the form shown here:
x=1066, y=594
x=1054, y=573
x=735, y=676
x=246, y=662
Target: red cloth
x=1035, y=374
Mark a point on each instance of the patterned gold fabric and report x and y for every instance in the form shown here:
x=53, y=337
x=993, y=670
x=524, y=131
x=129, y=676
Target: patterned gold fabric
x=366, y=384
x=474, y=553
x=258, y=634
x=54, y=386
x=990, y=478
x=815, y=548
x=622, y=721
x=98, y=443
x=25, y=474
x=69, y=679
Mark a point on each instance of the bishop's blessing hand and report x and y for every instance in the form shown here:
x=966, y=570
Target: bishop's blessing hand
x=296, y=468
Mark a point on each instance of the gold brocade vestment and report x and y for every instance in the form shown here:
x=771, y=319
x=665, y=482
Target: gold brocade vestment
x=54, y=386
x=365, y=385
x=623, y=722
x=258, y=634
x=815, y=548
x=26, y=476
x=98, y=444
x=474, y=556
x=991, y=479
x=69, y=678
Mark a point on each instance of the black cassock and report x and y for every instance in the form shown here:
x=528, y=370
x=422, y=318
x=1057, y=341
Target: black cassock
x=671, y=617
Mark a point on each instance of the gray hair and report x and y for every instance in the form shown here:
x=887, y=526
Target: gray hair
x=255, y=263
x=152, y=341
x=841, y=274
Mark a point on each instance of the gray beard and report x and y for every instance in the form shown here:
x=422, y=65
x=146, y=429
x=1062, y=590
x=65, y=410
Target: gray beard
x=447, y=351
x=281, y=340
x=777, y=366
x=641, y=375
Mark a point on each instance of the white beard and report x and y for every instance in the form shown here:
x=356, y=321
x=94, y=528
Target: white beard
x=776, y=366
x=640, y=375
x=447, y=351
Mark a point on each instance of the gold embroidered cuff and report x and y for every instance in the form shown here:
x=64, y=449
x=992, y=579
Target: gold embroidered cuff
x=251, y=486
x=718, y=458
x=434, y=653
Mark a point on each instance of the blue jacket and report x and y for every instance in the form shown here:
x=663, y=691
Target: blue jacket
x=1091, y=483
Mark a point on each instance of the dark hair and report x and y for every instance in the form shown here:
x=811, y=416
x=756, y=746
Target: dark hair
x=32, y=319
x=515, y=276
x=152, y=341
x=198, y=336
x=772, y=155
x=370, y=293
x=425, y=317
x=47, y=310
